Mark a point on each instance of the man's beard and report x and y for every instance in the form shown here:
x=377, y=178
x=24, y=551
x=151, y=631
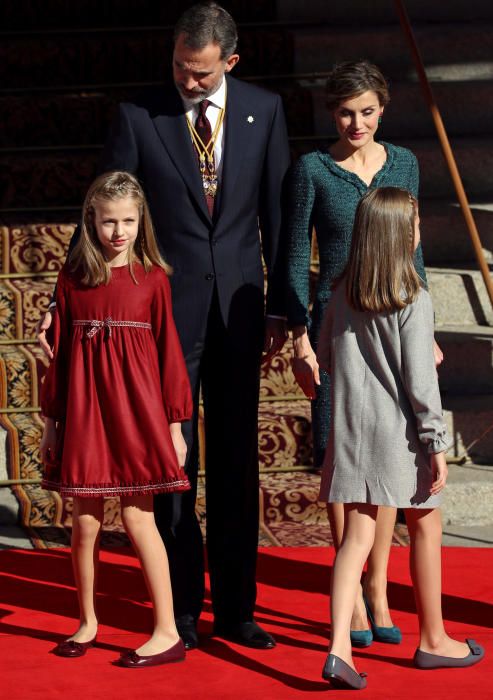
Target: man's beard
x=198, y=94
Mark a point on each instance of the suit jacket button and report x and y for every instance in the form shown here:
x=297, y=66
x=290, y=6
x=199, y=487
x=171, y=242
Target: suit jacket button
x=210, y=276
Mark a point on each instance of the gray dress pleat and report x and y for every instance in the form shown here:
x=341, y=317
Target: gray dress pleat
x=387, y=414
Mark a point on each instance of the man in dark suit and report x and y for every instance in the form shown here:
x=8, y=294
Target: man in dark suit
x=207, y=206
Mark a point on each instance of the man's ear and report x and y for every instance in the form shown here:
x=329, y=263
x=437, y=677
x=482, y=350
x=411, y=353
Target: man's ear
x=231, y=62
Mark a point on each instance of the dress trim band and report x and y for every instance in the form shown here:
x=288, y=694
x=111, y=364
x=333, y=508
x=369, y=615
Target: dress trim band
x=108, y=324
x=119, y=490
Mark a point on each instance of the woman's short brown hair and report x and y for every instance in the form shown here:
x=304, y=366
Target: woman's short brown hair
x=353, y=78
x=380, y=275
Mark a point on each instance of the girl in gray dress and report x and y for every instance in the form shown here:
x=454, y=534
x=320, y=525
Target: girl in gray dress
x=324, y=188
x=387, y=437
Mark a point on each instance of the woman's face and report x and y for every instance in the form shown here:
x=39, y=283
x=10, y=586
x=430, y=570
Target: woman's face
x=117, y=226
x=356, y=119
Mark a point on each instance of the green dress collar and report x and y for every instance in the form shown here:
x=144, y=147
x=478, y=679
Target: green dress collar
x=354, y=179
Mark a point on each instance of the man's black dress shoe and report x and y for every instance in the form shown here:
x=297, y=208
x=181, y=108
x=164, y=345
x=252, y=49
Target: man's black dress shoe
x=249, y=634
x=187, y=629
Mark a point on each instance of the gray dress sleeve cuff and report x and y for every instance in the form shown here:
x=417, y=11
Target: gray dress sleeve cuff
x=440, y=443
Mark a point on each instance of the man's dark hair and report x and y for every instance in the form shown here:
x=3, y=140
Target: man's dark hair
x=207, y=23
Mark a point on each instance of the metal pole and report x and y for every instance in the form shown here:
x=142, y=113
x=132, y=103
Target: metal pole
x=447, y=150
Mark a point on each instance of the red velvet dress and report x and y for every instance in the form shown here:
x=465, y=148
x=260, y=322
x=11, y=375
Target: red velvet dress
x=115, y=387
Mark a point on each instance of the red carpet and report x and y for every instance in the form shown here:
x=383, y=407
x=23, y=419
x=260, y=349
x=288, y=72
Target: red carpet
x=38, y=604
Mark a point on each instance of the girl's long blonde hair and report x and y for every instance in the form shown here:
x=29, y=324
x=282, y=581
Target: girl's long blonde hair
x=87, y=256
x=380, y=274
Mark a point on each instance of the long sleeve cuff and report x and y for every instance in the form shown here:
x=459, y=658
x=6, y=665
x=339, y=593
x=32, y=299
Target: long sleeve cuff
x=441, y=443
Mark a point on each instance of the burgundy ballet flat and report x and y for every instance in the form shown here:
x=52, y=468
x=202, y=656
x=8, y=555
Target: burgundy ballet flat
x=131, y=659
x=71, y=649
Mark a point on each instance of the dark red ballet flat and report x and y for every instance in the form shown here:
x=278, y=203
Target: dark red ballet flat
x=71, y=649
x=131, y=659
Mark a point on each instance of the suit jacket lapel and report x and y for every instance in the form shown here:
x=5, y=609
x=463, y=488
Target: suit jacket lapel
x=238, y=132
x=173, y=131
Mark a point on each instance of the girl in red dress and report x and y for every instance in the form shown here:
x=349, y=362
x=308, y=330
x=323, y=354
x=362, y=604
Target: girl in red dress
x=113, y=400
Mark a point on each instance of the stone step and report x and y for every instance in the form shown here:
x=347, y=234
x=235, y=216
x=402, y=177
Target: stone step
x=469, y=421
x=470, y=153
x=82, y=118
x=55, y=179
x=58, y=178
x=9, y=507
x=25, y=15
x=444, y=234
x=468, y=497
x=468, y=363
x=408, y=114
x=33, y=61
x=364, y=12
x=449, y=51
x=77, y=118
x=459, y=297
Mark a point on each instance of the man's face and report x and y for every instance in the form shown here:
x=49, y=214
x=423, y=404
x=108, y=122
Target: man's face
x=199, y=73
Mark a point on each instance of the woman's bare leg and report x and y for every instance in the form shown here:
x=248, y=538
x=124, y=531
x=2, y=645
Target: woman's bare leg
x=425, y=530
x=87, y=520
x=375, y=581
x=335, y=512
x=138, y=520
x=358, y=539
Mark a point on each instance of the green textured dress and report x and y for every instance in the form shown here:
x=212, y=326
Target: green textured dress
x=322, y=194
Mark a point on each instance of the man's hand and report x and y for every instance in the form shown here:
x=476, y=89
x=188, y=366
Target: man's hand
x=437, y=354
x=42, y=326
x=178, y=443
x=275, y=336
x=304, y=363
x=440, y=472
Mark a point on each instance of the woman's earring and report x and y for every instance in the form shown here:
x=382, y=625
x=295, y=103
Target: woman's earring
x=380, y=118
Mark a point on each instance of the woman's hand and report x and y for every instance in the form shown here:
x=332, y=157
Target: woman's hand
x=42, y=326
x=47, y=445
x=437, y=354
x=439, y=470
x=275, y=337
x=304, y=362
x=178, y=443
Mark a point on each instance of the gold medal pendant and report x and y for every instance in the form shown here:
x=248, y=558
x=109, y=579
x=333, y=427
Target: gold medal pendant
x=208, y=173
x=209, y=178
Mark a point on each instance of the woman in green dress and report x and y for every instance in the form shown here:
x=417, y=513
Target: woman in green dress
x=324, y=188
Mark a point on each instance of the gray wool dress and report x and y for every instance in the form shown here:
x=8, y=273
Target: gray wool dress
x=387, y=414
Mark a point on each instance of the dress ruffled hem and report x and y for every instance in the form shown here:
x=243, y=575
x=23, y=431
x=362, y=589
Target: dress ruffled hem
x=108, y=490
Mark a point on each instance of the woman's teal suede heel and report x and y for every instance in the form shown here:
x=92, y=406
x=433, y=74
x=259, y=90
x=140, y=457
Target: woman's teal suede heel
x=361, y=638
x=388, y=635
